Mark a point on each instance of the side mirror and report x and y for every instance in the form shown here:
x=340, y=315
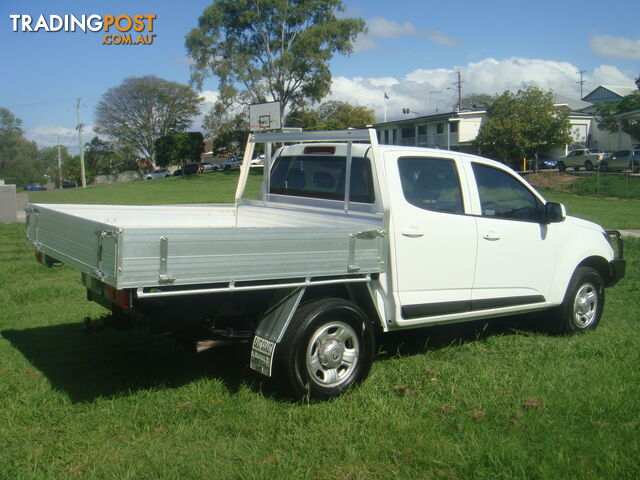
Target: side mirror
x=554, y=212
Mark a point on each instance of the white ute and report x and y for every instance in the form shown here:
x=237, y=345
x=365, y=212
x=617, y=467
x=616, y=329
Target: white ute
x=348, y=239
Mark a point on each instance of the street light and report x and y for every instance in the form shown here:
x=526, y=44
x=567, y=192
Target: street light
x=407, y=111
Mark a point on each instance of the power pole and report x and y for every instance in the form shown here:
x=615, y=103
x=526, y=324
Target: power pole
x=59, y=165
x=82, y=175
x=459, y=84
x=581, y=82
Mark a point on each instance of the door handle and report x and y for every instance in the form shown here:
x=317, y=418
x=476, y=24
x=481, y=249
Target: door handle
x=491, y=236
x=413, y=232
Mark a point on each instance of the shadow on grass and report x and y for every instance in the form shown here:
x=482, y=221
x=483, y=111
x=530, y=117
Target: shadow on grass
x=420, y=340
x=112, y=363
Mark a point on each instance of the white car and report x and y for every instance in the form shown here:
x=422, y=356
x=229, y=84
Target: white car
x=258, y=161
x=162, y=173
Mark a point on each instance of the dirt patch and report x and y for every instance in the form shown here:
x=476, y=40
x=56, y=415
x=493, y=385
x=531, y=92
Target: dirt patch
x=550, y=180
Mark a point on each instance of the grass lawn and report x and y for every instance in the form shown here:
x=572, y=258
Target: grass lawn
x=217, y=187
x=456, y=402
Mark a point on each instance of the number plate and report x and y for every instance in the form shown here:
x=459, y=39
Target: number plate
x=262, y=355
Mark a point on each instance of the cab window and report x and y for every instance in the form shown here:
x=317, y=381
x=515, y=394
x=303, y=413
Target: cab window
x=503, y=196
x=322, y=176
x=431, y=183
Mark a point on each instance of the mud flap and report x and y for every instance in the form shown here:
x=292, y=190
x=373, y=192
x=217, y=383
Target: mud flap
x=271, y=330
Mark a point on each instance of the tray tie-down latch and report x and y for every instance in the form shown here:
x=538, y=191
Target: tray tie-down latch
x=364, y=235
x=163, y=276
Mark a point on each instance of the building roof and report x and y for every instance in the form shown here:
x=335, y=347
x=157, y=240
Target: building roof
x=608, y=93
x=573, y=104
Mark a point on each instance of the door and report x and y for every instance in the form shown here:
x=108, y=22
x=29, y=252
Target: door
x=435, y=242
x=516, y=250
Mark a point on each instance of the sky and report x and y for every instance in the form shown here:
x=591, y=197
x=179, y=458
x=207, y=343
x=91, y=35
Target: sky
x=412, y=51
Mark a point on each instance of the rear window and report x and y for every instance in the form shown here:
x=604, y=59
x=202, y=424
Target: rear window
x=322, y=176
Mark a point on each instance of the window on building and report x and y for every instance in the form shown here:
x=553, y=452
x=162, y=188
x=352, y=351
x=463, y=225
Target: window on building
x=453, y=127
x=408, y=132
x=440, y=128
x=422, y=129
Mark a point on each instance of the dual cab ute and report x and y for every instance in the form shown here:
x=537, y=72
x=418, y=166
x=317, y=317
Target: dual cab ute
x=348, y=239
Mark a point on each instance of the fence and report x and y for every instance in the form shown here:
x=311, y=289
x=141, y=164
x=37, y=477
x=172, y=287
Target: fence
x=625, y=185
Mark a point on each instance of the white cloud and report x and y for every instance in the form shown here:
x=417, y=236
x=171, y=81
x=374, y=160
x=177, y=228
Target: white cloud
x=489, y=76
x=616, y=47
x=380, y=27
x=47, y=136
x=442, y=39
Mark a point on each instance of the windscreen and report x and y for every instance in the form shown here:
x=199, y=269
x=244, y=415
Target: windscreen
x=322, y=176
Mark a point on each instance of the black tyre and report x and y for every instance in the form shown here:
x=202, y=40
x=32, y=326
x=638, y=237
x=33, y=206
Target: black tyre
x=588, y=166
x=583, y=303
x=227, y=167
x=561, y=167
x=328, y=347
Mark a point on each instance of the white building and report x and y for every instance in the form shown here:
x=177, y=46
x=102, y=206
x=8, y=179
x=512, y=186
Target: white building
x=458, y=130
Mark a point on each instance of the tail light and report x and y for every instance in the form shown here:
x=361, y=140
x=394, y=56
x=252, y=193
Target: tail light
x=119, y=297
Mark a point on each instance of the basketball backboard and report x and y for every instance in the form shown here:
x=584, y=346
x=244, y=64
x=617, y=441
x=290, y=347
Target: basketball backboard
x=264, y=116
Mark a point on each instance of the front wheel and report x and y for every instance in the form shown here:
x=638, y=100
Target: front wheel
x=588, y=166
x=583, y=303
x=328, y=347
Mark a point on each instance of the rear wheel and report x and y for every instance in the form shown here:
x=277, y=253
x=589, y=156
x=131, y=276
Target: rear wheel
x=561, y=167
x=327, y=349
x=583, y=303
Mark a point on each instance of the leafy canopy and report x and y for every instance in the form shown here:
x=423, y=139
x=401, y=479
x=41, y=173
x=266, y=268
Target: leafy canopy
x=332, y=115
x=522, y=125
x=19, y=160
x=179, y=148
x=606, y=112
x=142, y=109
x=263, y=50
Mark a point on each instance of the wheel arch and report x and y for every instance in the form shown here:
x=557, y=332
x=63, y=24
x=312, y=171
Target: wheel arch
x=357, y=293
x=600, y=264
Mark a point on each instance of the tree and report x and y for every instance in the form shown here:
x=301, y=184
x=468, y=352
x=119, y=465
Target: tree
x=142, y=109
x=606, y=113
x=18, y=157
x=48, y=162
x=332, y=115
x=179, y=148
x=522, y=125
x=476, y=100
x=270, y=50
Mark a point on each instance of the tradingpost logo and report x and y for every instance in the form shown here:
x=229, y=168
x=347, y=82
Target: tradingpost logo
x=118, y=29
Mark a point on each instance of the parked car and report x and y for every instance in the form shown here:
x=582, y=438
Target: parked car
x=233, y=162
x=190, y=169
x=622, y=160
x=162, y=173
x=586, y=157
x=546, y=163
x=258, y=161
x=34, y=188
x=68, y=184
x=206, y=167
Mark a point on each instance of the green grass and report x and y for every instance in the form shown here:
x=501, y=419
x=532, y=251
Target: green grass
x=456, y=402
x=608, y=212
x=608, y=185
x=218, y=187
